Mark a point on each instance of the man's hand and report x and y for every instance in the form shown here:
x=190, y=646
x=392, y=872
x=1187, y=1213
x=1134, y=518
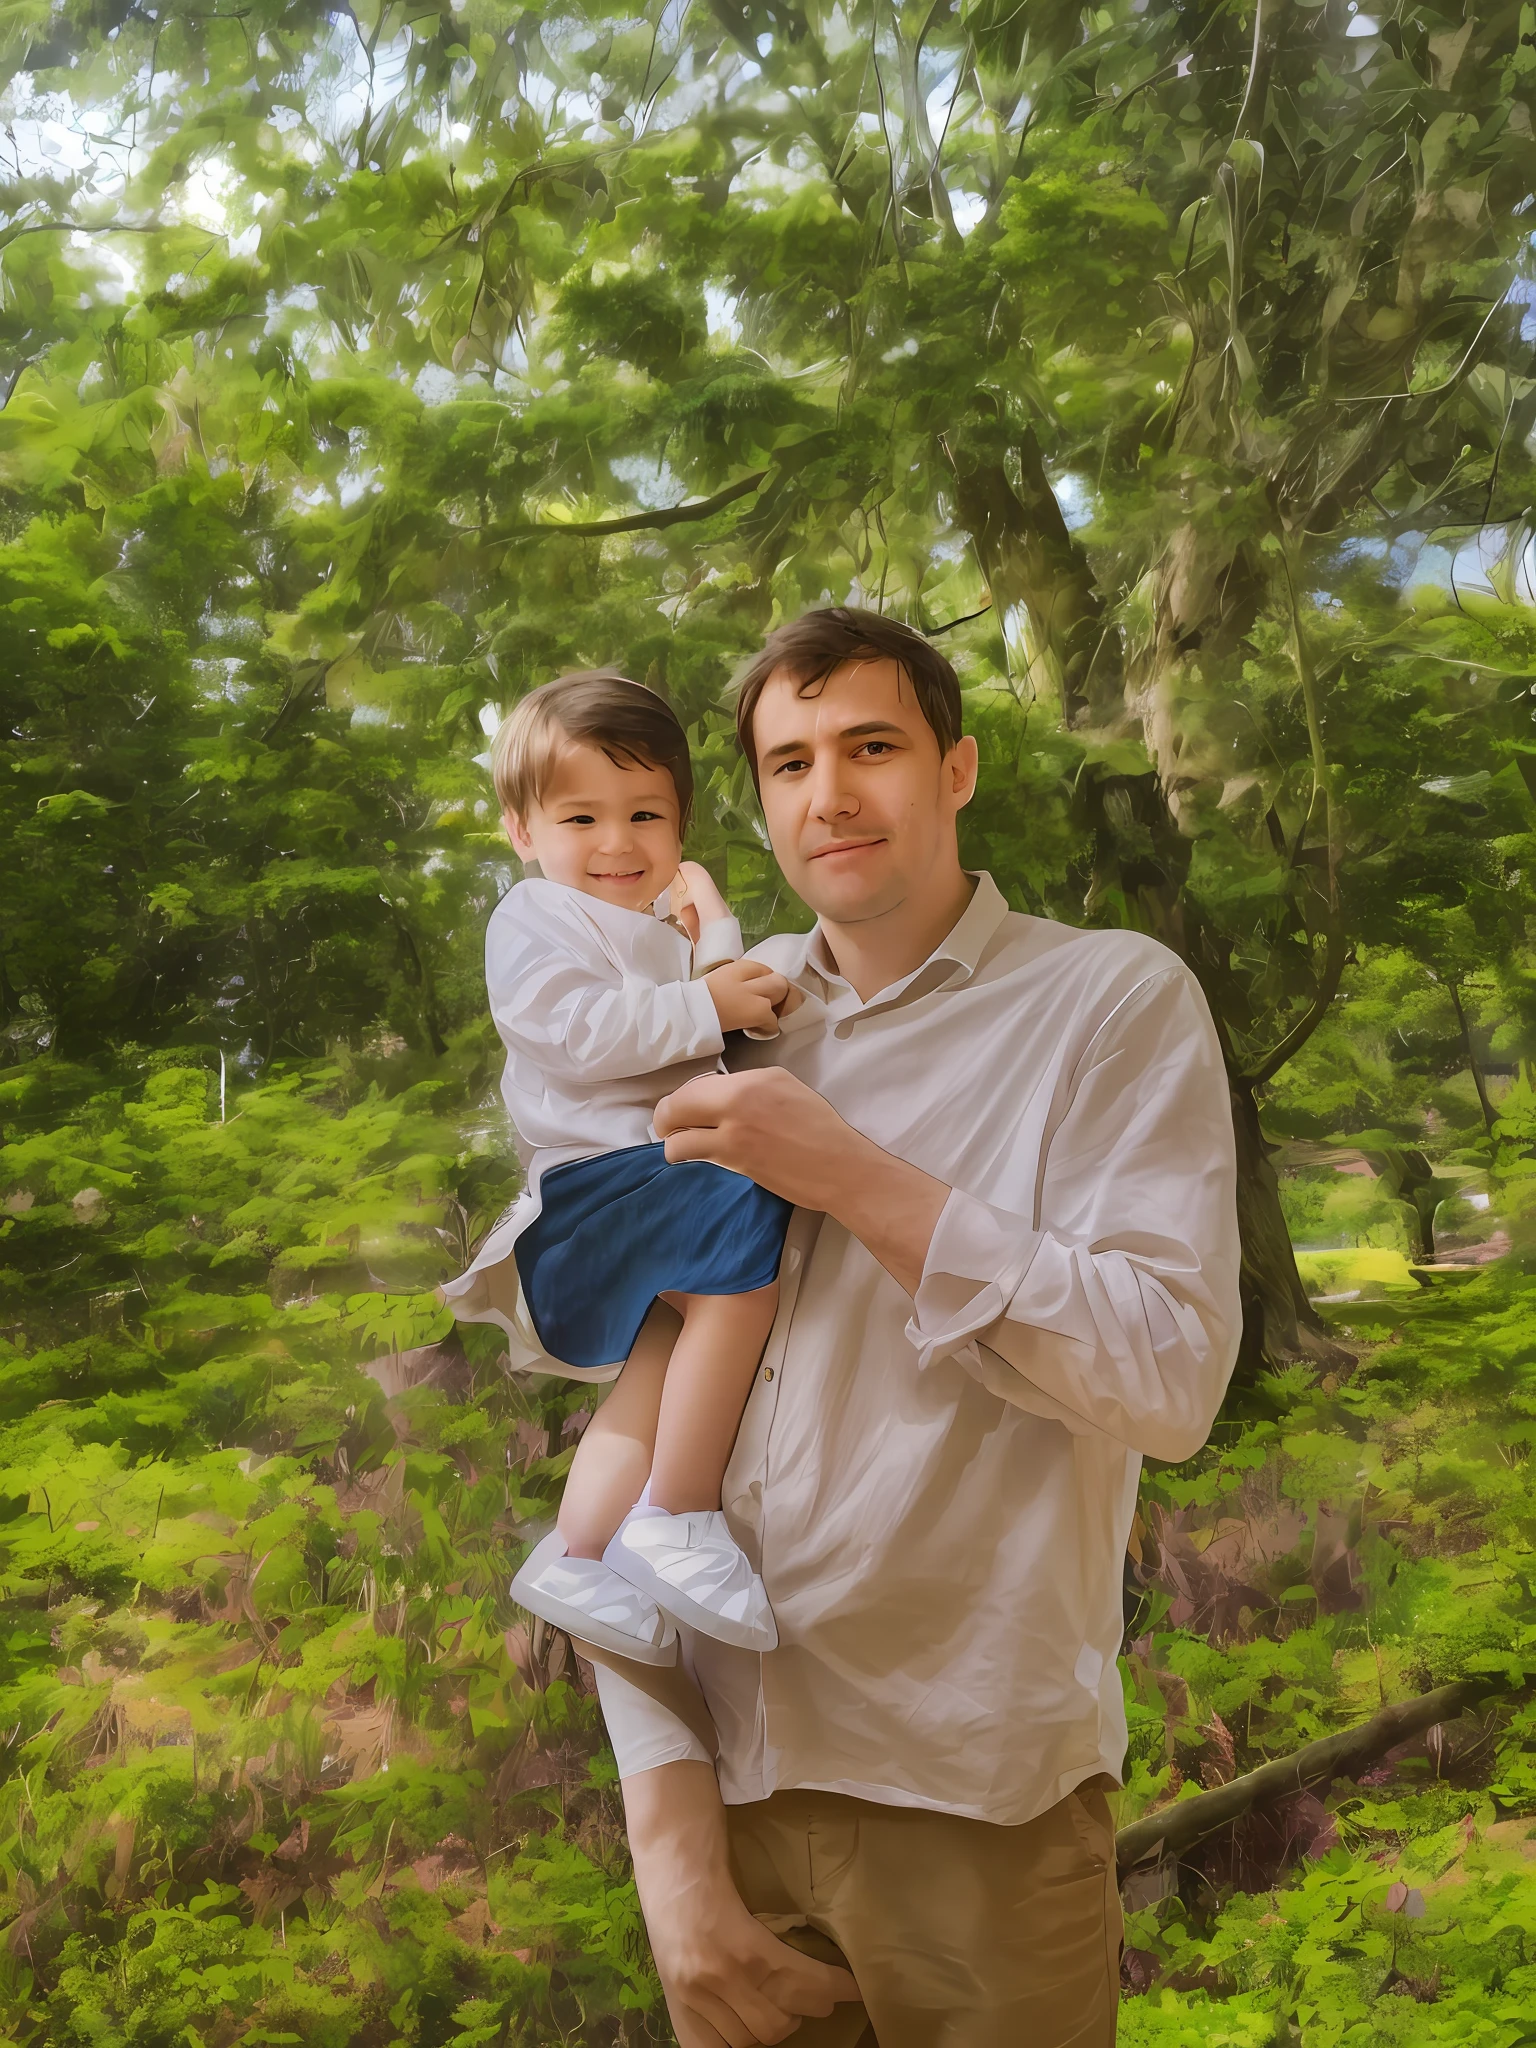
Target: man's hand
x=768, y=1125
x=745, y=994
x=790, y=1140
x=726, y=1977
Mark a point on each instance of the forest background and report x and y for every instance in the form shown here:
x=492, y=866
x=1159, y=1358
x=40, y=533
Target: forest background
x=362, y=366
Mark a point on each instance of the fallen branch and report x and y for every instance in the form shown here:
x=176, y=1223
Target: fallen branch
x=1183, y=1823
x=635, y=522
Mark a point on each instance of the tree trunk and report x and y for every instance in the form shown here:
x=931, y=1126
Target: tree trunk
x=1029, y=557
x=1184, y=1822
x=418, y=976
x=1027, y=553
x=1479, y=1081
x=1280, y=1325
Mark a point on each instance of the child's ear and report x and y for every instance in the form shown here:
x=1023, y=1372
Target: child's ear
x=517, y=833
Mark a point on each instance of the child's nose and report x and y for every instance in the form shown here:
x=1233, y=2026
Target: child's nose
x=618, y=842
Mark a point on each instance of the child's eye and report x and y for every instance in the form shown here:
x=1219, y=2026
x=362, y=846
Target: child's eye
x=581, y=818
x=645, y=817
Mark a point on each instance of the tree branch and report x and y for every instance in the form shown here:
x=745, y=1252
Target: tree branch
x=75, y=227
x=1025, y=548
x=635, y=522
x=964, y=620
x=1183, y=1823
x=1490, y=1114
x=1335, y=960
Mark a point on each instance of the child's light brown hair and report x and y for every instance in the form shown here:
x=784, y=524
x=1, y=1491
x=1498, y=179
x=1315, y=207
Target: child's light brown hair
x=596, y=707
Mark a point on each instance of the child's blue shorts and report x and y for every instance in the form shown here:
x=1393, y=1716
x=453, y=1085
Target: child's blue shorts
x=614, y=1232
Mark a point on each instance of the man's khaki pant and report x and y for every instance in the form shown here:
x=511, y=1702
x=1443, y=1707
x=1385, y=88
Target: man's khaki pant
x=961, y=1934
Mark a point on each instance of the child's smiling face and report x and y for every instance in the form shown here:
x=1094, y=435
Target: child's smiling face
x=607, y=828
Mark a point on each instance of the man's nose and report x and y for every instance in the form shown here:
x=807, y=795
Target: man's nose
x=831, y=797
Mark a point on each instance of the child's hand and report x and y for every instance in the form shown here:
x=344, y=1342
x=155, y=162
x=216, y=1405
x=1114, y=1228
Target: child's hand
x=746, y=994
x=790, y=1003
x=694, y=889
x=682, y=908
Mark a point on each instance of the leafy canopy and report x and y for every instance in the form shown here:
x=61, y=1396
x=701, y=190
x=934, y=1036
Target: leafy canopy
x=362, y=368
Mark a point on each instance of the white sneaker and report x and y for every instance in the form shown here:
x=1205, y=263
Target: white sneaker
x=694, y=1570
x=593, y=1604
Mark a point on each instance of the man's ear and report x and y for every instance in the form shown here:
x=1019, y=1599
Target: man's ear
x=518, y=835
x=961, y=769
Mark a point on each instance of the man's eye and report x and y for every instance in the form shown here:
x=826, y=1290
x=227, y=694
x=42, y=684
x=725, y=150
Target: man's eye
x=877, y=747
x=791, y=767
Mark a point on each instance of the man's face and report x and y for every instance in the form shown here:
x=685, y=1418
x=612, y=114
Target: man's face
x=860, y=805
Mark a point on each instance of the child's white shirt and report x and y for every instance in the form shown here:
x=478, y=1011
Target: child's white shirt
x=601, y=1014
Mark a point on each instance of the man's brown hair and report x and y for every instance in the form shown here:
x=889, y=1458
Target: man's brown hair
x=809, y=648
x=597, y=707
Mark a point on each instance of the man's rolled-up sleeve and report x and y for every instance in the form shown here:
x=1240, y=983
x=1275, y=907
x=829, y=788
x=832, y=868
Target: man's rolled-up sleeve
x=1114, y=1307
x=653, y=1715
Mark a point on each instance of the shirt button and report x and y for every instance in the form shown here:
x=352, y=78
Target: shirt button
x=767, y=1372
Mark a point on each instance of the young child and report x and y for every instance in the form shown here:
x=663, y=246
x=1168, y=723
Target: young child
x=613, y=980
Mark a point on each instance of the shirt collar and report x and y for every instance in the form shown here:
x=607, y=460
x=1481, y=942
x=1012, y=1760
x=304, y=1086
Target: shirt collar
x=961, y=950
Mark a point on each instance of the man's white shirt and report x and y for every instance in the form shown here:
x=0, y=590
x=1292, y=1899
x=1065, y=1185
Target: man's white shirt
x=938, y=1493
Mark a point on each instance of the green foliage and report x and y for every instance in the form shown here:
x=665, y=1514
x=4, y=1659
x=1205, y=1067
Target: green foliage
x=362, y=367
x=1334, y=1960
x=1372, y=1538
x=282, y=1760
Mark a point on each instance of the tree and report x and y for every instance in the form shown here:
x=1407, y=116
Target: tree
x=1325, y=356
x=360, y=367
x=512, y=370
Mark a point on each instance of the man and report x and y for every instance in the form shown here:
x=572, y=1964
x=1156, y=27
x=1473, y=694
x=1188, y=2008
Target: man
x=1013, y=1272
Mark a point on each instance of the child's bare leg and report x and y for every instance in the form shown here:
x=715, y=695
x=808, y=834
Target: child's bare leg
x=613, y=1458
x=706, y=1388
